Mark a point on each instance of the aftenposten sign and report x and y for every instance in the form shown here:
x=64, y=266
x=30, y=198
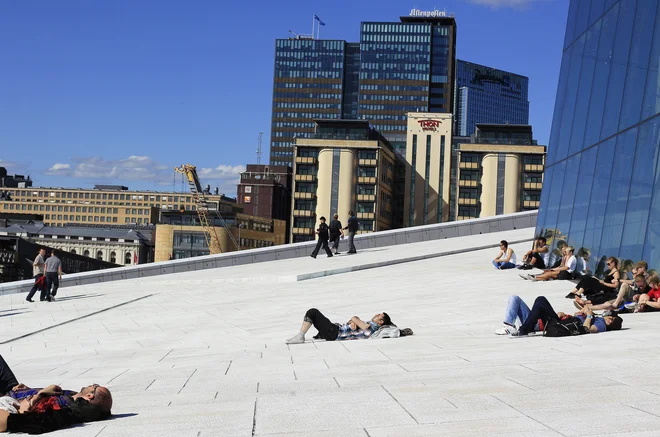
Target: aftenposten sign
x=432, y=14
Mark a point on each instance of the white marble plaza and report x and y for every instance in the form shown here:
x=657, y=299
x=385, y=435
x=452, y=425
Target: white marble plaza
x=203, y=353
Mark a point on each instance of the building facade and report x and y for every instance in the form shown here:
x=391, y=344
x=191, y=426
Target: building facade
x=488, y=95
x=427, y=169
x=601, y=185
x=346, y=166
x=15, y=181
x=396, y=68
x=179, y=234
x=105, y=204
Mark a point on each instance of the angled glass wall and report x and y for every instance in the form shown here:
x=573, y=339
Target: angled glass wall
x=601, y=192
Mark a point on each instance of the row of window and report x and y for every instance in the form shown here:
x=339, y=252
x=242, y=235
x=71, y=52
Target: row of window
x=421, y=28
x=290, y=105
x=395, y=38
x=306, y=95
x=308, y=74
x=316, y=44
x=313, y=85
x=100, y=196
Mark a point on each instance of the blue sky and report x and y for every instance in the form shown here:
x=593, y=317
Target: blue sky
x=121, y=91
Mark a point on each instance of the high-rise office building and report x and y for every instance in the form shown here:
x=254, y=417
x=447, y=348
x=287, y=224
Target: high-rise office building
x=490, y=96
x=601, y=188
x=396, y=68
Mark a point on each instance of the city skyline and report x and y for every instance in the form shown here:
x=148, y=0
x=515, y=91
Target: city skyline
x=90, y=97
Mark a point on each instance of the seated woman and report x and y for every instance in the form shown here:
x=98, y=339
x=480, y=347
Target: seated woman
x=506, y=258
x=563, y=272
x=598, y=291
x=535, y=319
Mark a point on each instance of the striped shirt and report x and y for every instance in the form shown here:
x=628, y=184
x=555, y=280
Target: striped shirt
x=346, y=333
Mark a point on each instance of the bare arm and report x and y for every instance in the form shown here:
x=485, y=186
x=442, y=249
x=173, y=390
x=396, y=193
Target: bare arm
x=509, y=254
x=3, y=420
x=499, y=255
x=359, y=323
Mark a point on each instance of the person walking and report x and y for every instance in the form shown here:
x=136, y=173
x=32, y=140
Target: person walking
x=53, y=276
x=352, y=228
x=323, y=234
x=336, y=233
x=38, y=271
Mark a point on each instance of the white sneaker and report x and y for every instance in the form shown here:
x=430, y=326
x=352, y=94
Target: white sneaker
x=506, y=330
x=632, y=305
x=524, y=276
x=296, y=339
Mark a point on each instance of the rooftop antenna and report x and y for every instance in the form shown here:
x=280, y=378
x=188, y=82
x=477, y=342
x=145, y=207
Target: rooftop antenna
x=259, y=141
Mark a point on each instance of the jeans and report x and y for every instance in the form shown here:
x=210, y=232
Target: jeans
x=516, y=309
x=321, y=242
x=327, y=330
x=351, y=246
x=540, y=310
x=52, y=280
x=7, y=378
x=35, y=287
x=503, y=265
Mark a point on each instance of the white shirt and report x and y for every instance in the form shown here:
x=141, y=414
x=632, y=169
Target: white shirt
x=571, y=263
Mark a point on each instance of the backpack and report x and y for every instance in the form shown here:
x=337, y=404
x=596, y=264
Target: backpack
x=565, y=327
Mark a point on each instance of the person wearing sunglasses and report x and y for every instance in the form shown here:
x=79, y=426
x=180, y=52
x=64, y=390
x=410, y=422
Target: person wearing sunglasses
x=597, y=291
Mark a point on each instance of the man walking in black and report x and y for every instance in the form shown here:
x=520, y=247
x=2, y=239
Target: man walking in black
x=38, y=271
x=335, y=233
x=322, y=231
x=53, y=276
x=352, y=229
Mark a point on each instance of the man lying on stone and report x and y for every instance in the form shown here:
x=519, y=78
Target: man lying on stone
x=533, y=320
x=37, y=411
x=354, y=329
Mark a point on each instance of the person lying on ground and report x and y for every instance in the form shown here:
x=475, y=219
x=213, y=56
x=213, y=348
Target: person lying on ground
x=536, y=318
x=36, y=411
x=354, y=329
x=537, y=256
x=563, y=272
x=506, y=258
x=626, y=294
x=599, y=291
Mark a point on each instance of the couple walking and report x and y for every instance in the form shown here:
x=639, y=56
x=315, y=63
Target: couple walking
x=47, y=273
x=334, y=233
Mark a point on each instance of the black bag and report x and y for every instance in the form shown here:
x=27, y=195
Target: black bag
x=405, y=332
x=564, y=275
x=565, y=327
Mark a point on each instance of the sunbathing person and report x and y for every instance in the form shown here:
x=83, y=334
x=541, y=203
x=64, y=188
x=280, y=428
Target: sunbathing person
x=596, y=290
x=537, y=317
x=625, y=294
x=563, y=272
x=538, y=257
x=36, y=411
x=506, y=258
x=647, y=301
x=354, y=329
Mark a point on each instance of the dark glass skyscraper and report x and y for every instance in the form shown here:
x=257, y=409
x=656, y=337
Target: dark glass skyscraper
x=601, y=191
x=488, y=95
x=395, y=69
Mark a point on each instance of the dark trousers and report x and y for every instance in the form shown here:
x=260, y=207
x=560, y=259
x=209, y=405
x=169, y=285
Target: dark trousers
x=35, y=287
x=539, y=263
x=327, y=330
x=351, y=246
x=541, y=310
x=321, y=242
x=52, y=280
x=334, y=239
x=7, y=378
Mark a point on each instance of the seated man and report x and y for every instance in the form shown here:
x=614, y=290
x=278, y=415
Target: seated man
x=563, y=272
x=626, y=293
x=506, y=257
x=647, y=300
x=37, y=411
x=535, y=319
x=537, y=257
x=354, y=329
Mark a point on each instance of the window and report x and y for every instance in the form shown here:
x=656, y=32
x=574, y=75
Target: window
x=73, y=251
x=99, y=255
x=113, y=257
x=86, y=253
x=127, y=258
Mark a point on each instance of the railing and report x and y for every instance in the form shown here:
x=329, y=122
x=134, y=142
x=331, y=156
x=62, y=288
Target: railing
x=366, y=197
x=302, y=231
x=303, y=213
x=305, y=177
x=533, y=167
x=531, y=203
x=466, y=201
x=8, y=257
x=366, y=215
x=467, y=183
x=465, y=217
x=305, y=160
x=366, y=179
x=533, y=185
x=301, y=195
x=333, y=136
x=468, y=165
x=368, y=162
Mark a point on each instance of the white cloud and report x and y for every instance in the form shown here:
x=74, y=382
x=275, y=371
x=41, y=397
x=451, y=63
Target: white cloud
x=504, y=3
x=144, y=168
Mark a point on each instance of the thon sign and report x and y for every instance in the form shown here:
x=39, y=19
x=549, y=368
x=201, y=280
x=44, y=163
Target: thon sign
x=429, y=125
x=433, y=13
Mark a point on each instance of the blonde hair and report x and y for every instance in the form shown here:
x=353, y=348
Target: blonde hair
x=653, y=279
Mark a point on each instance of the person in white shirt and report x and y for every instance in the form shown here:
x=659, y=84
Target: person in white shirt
x=506, y=258
x=564, y=271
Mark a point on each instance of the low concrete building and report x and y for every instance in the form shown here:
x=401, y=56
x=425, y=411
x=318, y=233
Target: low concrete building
x=345, y=165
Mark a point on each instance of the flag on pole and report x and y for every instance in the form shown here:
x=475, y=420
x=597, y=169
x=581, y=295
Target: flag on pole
x=316, y=17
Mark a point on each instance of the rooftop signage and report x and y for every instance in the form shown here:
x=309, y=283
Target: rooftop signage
x=429, y=125
x=432, y=14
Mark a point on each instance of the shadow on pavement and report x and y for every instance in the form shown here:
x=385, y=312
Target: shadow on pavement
x=13, y=314
x=77, y=296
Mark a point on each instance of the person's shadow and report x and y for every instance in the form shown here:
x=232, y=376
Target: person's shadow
x=121, y=416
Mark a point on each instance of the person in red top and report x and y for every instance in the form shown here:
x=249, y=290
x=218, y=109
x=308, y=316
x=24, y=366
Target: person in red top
x=649, y=301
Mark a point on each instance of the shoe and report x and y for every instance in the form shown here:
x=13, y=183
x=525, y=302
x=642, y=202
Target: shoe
x=349, y=252
x=632, y=306
x=317, y=336
x=570, y=296
x=52, y=299
x=313, y=256
x=330, y=256
x=49, y=299
x=527, y=267
x=578, y=305
x=532, y=278
x=337, y=253
x=29, y=300
x=299, y=338
x=506, y=330
x=525, y=277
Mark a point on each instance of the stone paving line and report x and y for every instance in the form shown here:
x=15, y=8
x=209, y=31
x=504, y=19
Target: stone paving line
x=208, y=359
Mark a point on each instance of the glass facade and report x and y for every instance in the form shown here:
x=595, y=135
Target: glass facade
x=600, y=192
x=396, y=68
x=488, y=95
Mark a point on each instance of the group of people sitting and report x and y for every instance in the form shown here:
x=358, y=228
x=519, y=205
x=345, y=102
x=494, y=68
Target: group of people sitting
x=41, y=410
x=617, y=292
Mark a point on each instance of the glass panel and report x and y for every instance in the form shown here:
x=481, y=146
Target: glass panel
x=568, y=195
x=559, y=102
x=652, y=245
x=597, y=9
x=641, y=189
x=638, y=62
x=652, y=90
x=543, y=203
x=601, y=77
x=554, y=199
x=582, y=16
x=583, y=191
x=598, y=196
x=618, y=68
x=570, y=25
x=569, y=100
x=584, y=88
x=615, y=214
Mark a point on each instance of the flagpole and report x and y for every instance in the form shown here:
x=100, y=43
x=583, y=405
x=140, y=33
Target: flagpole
x=318, y=30
x=313, y=18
